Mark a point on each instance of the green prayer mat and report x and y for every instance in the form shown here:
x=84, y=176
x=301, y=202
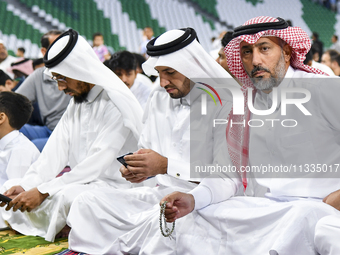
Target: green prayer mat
x=12, y=242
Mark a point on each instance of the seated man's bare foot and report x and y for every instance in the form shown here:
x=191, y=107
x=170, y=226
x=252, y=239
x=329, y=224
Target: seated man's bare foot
x=63, y=233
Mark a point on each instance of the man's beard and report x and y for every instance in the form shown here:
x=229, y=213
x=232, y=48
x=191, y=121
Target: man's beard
x=186, y=86
x=80, y=98
x=3, y=56
x=261, y=83
x=179, y=93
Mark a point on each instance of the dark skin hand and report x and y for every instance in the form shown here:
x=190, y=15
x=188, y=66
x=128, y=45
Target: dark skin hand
x=143, y=164
x=23, y=200
x=178, y=205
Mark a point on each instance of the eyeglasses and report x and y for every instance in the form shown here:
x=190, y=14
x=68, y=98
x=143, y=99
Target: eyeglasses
x=61, y=80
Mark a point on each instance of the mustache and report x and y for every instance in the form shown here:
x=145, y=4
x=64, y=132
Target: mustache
x=69, y=91
x=169, y=87
x=258, y=68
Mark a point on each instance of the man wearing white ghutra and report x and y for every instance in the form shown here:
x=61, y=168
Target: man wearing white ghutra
x=175, y=136
x=102, y=121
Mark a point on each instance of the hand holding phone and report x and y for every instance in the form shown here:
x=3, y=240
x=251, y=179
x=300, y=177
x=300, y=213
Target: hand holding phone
x=5, y=199
x=122, y=160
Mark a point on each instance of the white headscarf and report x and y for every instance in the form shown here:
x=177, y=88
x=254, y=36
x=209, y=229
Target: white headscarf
x=83, y=64
x=192, y=61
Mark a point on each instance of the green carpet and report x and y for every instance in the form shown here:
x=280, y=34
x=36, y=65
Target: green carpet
x=13, y=243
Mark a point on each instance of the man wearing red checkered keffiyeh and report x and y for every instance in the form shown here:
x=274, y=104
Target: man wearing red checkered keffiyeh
x=267, y=57
x=296, y=38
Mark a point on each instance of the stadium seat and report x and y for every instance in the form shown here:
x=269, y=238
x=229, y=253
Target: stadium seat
x=122, y=21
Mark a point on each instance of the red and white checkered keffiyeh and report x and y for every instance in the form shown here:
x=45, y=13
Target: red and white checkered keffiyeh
x=238, y=135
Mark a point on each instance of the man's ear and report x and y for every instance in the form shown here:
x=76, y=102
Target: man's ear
x=43, y=50
x=9, y=85
x=332, y=64
x=287, y=52
x=3, y=117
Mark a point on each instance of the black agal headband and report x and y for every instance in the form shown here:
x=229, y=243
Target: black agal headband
x=255, y=28
x=73, y=37
x=175, y=45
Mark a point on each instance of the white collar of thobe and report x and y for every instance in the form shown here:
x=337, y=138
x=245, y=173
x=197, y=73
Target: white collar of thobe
x=192, y=95
x=135, y=85
x=290, y=72
x=8, y=138
x=93, y=94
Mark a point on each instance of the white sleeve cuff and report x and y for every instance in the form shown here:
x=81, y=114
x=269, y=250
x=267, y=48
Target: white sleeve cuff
x=179, y=169
x=29, y=183
x=214, y=190
x=202, y=196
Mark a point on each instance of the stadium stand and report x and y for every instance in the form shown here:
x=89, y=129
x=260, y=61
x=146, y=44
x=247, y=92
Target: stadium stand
x=313, y=14
x=185, y=16
x=238, y=12
x=17, y=32
x=305, y=14
x=140, y=12
x=82, y=16
x=122, y=21
x=209, y=6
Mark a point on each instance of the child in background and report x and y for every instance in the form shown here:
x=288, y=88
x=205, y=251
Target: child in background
x=20, y=52
x=99, y=47
x=17, y=153
x=6, y=82
x=21, y=69
x=124, y=65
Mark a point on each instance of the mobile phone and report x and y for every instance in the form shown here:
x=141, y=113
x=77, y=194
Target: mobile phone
x=5, y=199
x=122, y=160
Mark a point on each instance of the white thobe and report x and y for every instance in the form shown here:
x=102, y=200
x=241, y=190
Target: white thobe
x=141, y=89
x=335, y=46
x=17, y=154
x=324, y=68
x=283, y=224
x=302, y=145
x=88, y=137
x=125, y=220
x=145, y=79
x=327, y=232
